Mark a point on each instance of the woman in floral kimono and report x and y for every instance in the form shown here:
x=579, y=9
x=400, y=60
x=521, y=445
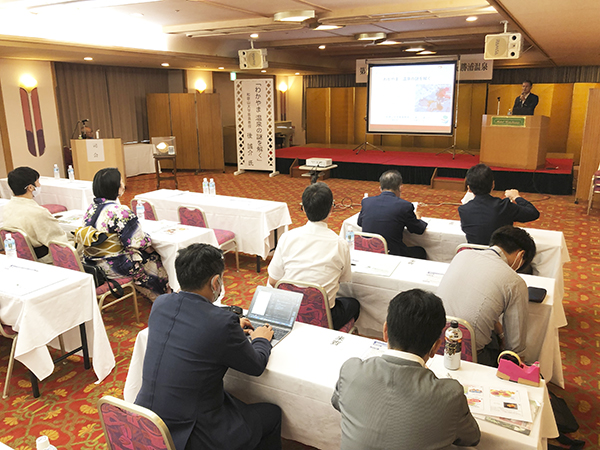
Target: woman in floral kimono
x=126, y=251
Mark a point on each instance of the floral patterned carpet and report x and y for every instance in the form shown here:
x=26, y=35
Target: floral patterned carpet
x=67, y=413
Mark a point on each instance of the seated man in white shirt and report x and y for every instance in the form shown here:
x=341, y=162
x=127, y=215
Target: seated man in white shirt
x=23, y=212
x=315, y=254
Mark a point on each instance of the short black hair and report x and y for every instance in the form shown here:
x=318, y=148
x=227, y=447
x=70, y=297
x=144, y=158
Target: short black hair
x=480, y=179
x=415, y=320
x=196, y=264
x=528, y=81
x=20, y=178
x=106, y=183
x=512, y=239
x=390, y=180
x=317, y=199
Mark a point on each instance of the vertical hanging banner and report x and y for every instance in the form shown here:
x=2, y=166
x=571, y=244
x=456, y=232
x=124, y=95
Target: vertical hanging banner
x=255, y=125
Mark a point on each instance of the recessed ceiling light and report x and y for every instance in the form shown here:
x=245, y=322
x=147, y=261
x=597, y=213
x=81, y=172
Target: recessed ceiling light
x=165, y=64
x=297, y=73
x=326, y=27
x=369, y=36
x=88, y=58
x=263, y=71
x=137, y=15
x=294, y=16
x=388, y=42
x=322, y=47
x=221, y=68
x=427, y=52
x=471, y=18
x=414, y=49
x=254, y=35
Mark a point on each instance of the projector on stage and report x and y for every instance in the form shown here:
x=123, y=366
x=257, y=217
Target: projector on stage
x=319, y=162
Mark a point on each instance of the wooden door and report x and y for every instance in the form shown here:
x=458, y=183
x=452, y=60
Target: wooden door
x=210, y=131
x=183, y=125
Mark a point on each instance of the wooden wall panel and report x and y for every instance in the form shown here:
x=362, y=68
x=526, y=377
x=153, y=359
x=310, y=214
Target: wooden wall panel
x=183, y=119
x=507, y=93
x=159, y=115
x=579, y=104
x=342, y=115
x=360, y=124
x=318, y=103
x=210, y=137
x=559, y=118
x=590, y=146
x=478, y=103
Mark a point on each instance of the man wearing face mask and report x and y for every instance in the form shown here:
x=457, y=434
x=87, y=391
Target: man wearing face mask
x=23, y=213
x=191, y=345
x=482, y=285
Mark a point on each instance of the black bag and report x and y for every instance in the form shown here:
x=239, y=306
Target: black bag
x=100, y=278
x=566, y=423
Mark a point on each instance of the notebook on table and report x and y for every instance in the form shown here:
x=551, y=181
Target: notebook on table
x=275, y=307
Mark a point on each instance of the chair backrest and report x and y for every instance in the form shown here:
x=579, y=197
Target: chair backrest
x=127, y=426
x=65, y=256
x=461, y=247
x=193, y=216
x=149, y=212
x=314, y=308
x=469, y=346
x=370, y=242
x=24, y=247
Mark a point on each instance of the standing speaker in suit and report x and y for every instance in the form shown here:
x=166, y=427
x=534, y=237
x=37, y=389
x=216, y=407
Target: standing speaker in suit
x=526, y=102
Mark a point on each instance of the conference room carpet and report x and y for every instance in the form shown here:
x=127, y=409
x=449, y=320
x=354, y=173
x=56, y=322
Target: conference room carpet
x=67, y=413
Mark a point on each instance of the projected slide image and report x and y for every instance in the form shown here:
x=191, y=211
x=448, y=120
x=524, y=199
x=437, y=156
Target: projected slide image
x=436, y=98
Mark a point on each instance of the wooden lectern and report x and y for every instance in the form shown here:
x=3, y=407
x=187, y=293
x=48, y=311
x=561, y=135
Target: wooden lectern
x=91, y=155
x=515, y=142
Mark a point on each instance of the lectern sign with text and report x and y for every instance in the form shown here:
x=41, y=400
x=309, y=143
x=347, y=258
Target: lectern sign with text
x=508, y=121
x=255, y=124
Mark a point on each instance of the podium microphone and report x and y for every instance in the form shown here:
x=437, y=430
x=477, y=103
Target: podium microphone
x=498, y=108
x=84, y=120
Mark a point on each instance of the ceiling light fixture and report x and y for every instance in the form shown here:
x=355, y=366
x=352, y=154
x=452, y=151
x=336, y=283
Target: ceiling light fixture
x=297, y=73
x=369, y=36
x=427, y=52
x=165, y=64
x=322, y=47
x=414, y=49
x=388, y=42
x=263, y=71
x=221, y=68
x=294, y=16
x=471, y=18
x=88, y=58
x=318, y=26
x=254, y=35
x=137, y=15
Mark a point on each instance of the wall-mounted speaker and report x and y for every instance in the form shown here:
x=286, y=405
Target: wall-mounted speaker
x=503, y=46
x=255, y=58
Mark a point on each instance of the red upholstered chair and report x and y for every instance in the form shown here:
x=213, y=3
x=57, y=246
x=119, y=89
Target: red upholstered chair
x=7, y=332
x=149, y=211
x=127, y=426
x=314, y=308
x=54, y=208
x=469, y=346
x=194, y=216
x=66, y=256
x=24, y=247
x=370, y=242
x=461, y=247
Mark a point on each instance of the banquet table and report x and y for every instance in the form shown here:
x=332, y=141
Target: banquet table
x=374, y=288
x=3, y=201
x=253, y=221
x=138, y=159
x=72, y=194
x=168, y=238
x=301, y=375
x=41, y=302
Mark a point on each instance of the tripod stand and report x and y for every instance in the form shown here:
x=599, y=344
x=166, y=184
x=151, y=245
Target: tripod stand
x=366, y=145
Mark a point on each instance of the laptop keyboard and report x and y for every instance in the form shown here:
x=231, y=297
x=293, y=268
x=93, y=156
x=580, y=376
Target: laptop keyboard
x=278, y=333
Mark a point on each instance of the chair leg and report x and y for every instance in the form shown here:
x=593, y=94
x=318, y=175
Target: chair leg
x=61, y=342
x=135, y=305
x=11, y=363
x=237, y=257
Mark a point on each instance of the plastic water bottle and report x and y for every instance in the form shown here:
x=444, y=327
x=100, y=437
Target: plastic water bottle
x=453, y=346
x=366, y=195
x=71, y=173
x=350, y=240
x=509, y=112
x=212, y=189
x=140, y=211
x=43, y=443
x=205, y=186
x=56, y=171
x=10, y=247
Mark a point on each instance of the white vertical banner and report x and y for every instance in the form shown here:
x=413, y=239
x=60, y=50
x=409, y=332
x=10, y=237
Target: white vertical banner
x=475, y=67
x=255, y=125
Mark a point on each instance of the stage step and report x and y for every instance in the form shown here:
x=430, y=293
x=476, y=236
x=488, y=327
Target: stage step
x=455, y=184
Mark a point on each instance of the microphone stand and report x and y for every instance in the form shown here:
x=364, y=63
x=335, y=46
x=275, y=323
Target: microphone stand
x=75, y=129
x=498, y=108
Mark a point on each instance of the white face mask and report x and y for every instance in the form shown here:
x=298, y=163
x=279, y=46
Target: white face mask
x=520, y=263
x=36, y=191
x=217, y=292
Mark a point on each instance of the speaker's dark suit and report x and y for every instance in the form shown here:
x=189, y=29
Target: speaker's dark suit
x=527, y=107
x=391, y=403
x=387, y=215
x=483, y=215
x=191, y=344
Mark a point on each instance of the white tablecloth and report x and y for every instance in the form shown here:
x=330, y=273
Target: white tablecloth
x=55, y=301
x=374, y=293
x=301, y=376
x=252, y=221
x=168, y=238
x=3, y=201
x=76, y=194
x=138, y=159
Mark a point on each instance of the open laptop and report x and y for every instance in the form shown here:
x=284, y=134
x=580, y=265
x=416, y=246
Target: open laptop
x=276, y=307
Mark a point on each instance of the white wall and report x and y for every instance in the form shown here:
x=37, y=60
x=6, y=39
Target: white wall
x=293, y=105
x=10, y=72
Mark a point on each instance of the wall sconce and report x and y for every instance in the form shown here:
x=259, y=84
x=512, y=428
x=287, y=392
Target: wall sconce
x=27, y=82
x=200, y=85
x=30, y=103
x=282, y=99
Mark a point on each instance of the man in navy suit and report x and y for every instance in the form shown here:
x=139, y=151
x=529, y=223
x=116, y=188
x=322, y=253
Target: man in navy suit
x=388, y=214
x=483, y=215
x=191, y=344
x=526, y=102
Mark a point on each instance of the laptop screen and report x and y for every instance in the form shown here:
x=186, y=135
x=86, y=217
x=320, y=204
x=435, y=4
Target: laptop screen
x=275, y=306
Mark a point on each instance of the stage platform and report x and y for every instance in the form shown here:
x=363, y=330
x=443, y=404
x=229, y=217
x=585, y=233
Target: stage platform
x=417, y=168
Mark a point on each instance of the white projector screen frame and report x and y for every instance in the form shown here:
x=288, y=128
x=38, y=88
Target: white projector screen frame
x=412, y=98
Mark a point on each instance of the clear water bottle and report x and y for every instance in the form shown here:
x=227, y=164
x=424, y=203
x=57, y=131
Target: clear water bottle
x=509, y=112
x=10, y=247
x=350, y=240
x=71, y=172
x=212, y=188
x=56, y=171
x=205, y=186
x=43, y=443
x=140, y=211
x=453, y=346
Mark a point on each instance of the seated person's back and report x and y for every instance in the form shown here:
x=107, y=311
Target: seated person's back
x=394, y=402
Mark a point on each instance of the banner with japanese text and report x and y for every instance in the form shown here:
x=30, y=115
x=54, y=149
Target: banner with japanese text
x=255, y=124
